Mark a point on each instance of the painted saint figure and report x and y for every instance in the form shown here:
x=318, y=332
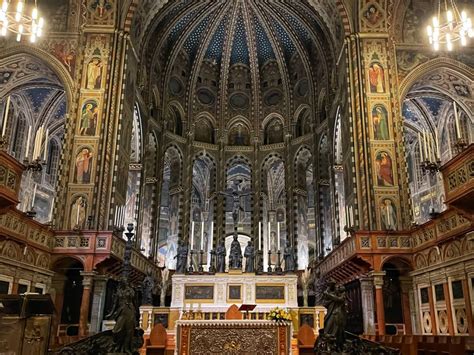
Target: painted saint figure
x=388, y=215
x=383, y=165
x=376, y=79
x=84, y=166
x=78, y=213
x=380, y=119
x=94, y=74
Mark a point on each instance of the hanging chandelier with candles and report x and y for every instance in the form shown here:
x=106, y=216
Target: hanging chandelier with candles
x=21, y=18
x=449, y=26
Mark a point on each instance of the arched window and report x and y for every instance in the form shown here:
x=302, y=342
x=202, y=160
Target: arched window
x=239, y=135
x=204, y=131
x=303, y=123
x=273, y=131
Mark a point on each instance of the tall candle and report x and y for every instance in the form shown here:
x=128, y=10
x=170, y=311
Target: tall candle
x=192, y=235
x=34, y=195
x=268, y=236
x=45, y=155
x=28, y=142
x=438, y=152
x=278, y=236
x=420, y=146
x=425, y=146
x=212, y=234
x=202, y=235
x=456, y=120
x=428, y=140
x=5, y=116
x=259, y=235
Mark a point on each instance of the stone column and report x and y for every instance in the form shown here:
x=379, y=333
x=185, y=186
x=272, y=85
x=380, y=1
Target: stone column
x=406, y=285
x=98, y=303
x=367, y=296
x=87, y=282
x=378, y=282
x=449, y=309
x=434, y=326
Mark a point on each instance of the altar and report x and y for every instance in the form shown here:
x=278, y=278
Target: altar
x=218, y=292
x=236, y=337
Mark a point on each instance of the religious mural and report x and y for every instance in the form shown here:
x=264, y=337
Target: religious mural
x=94, y=74
x=376, y=78
x=78, y=216
x=380, y=122
x=388, y=214
x=384, y=169
x=89, y=118
x=84, y=166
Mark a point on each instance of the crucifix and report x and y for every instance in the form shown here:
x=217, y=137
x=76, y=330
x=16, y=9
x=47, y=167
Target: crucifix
x=236, y=196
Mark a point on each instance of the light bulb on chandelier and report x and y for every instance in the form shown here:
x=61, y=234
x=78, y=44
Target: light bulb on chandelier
x=21, y=19
x=456, y=27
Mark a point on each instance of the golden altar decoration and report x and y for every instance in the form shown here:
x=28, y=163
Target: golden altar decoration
x=233, y=337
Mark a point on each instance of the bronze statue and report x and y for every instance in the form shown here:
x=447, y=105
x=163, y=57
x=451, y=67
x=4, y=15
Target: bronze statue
x=289, y=256
x=148, y=285
x=235, y=257
x=182, y=256
x=249, y=254
x=221, y=252
x=236, y=196
x=334, y=299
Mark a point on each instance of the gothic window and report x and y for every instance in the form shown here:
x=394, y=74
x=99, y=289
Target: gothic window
x=273, y=132
x=303, y=124
x=204, y=131
x=239, y=135
x=53, y=162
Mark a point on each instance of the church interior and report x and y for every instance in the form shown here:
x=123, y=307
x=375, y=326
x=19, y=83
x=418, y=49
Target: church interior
x=210, y=164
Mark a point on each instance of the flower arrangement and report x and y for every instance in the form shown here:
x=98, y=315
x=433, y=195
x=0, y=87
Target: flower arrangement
x=279, y=315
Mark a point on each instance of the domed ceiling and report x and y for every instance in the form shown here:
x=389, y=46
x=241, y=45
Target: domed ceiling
x=237, y=60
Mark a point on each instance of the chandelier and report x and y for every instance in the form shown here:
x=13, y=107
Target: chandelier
x=20, y=19
x=449, y=27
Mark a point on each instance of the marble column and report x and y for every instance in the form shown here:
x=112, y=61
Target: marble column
x=367, y=296
x=87, y=282
x=98, y=303
x=379, y=305
x=406, y=284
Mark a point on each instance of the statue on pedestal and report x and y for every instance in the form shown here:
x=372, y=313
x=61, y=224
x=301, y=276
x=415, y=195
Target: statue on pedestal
x=235, y=257
x=182, y=256
x=148, y=285
x=249, y=254
x=289, y=256
x=220, y=252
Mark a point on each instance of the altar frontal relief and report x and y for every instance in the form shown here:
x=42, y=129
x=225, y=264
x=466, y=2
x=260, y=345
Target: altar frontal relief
x=270, y=293
x=199, y=292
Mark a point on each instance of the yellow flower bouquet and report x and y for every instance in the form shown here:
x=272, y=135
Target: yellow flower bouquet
x=279, y=315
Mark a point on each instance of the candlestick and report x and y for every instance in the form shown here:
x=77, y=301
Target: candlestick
x=202, y=235
x=278, y=235
x=420, y=146
x=192, y=235
x=5, y=116
x=351, y=216
x=438, y=151
x=456, y=120
x=259, y=235
x=45, y=155
x=28, y=142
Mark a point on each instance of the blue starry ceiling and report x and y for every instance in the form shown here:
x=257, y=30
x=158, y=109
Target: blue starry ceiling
x=240, y=50
x=38, y=96
x=273, y=30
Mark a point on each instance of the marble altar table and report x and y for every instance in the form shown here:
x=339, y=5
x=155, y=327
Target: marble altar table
x=233, y=337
